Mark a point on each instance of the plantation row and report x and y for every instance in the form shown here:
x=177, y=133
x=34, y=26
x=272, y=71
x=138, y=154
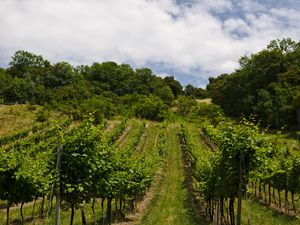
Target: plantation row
x=240, y=161
x=79, y=166
x=35, y=132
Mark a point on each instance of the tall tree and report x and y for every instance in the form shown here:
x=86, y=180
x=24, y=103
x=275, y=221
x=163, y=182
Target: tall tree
x=23, y=61
x=174, y=85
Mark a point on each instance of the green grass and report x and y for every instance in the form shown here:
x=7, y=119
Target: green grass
x=111, y=125
x=15, y=216
x=172, y=204
x=66, y=214
x=282, y=193
x=147, y=143
x=132, y=128
x=262, y=215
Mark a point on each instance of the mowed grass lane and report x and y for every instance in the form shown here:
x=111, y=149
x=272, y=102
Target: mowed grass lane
x=172, y=204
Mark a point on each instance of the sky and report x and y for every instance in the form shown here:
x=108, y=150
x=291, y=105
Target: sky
x=188, y=39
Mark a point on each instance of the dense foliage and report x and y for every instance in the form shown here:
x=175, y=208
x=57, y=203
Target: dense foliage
x=90, y=167
x=105, y=87
x=233, y=160
x=229, y=160
x=266, y=84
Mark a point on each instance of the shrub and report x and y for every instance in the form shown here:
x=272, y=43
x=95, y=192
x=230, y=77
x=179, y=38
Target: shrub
x=42, y=115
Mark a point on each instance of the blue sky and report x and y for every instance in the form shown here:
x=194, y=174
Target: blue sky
x=189, y=39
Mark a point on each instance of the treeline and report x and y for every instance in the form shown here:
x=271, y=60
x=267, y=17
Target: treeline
x=105, y=87
x=266, y=84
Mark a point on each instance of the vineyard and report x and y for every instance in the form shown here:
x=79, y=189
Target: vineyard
x=237, y=166
x=190, y=172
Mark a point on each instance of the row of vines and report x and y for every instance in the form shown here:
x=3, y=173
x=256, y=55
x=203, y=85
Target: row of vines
x=79, y=166
x=232, y=162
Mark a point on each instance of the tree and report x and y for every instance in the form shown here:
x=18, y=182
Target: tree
x=98, y=104
x=264, y=84
x=174, y=85
x=3, y=83
x=14, y=90
x=189, y=90
x=284, y=45
x=23, y=61
x=61, y=73
x=296, y=104
x=201, y=93
x=204, y=111
x=165, y=94
x=149, y=107
x=185, y=105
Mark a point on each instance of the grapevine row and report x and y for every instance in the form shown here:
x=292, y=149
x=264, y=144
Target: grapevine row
x=244, y=157
x=90, y=168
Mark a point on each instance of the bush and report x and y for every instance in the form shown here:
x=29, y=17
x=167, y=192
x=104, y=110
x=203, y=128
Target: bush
x=149, y=107
x=31, y=108
x=204, y=111
x=185, y=105
x=98, y=117
x=102, y=105
x=42, y=115
x=76, y=115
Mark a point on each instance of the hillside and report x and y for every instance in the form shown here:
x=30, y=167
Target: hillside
x=179, y=161
x=107, y=144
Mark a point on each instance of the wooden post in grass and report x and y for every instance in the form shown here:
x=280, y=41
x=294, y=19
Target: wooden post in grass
x=240, y=194
x=59, y=150
x=7, y=213
x=298, y=118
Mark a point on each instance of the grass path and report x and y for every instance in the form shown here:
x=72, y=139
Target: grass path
x=172, y=203
x=262, y=215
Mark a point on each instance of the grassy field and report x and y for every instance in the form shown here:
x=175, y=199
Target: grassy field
x=14, y=118
x=171, y=205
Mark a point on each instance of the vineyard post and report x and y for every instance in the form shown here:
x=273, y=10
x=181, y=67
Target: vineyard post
x=248, y=205
x=59, y=150
x=7, y=213
x=298, y=118
x=239, y=209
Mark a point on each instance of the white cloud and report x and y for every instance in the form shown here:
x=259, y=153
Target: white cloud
x=251, y=5
x=182, y=38
x=216, y=5
x=236, y=25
